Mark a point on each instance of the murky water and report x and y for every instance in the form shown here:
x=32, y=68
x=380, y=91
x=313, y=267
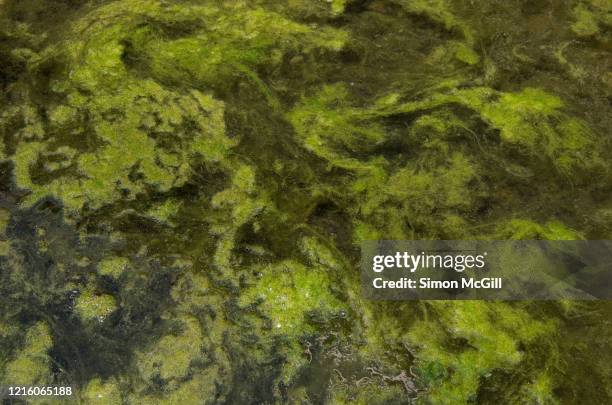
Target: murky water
x=184, y=186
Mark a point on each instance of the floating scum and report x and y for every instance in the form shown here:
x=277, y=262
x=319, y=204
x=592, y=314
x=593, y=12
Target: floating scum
x=186, y=184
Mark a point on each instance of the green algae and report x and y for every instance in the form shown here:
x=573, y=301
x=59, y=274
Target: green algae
x=247, y=38
x=487, y=348
x=291, y=294
x=100, y=177
x=221, y=163
x=591, y=17
x=31, y=364
x=524, y=229
x=540, y=390
x=91, y=306
x=4, y=248
x=466, y=54
x=99, y=392
x=290, y=291
x=164, y=211
x=441, y=12
x=113, y=266
x=170, y=357
x=565, y=141
x=4, y=218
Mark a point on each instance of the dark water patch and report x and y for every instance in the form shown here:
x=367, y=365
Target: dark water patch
x=45, y=274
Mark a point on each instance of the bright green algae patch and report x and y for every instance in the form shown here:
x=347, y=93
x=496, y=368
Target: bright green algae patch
x=187, y=184
x=91, y=306
x=491, y=346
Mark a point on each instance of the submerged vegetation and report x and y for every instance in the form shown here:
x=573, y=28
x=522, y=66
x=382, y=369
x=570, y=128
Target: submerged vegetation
x=185, y=185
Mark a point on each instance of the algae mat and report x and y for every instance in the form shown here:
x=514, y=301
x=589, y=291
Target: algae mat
x=184, y=186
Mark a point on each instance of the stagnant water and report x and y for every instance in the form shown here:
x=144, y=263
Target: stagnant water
x=184, y=186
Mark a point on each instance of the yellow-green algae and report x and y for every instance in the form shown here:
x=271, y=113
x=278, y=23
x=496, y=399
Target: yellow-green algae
x=101, y=392
x=5, y=215
x=171, y=356
x=31, y=363
x=591, y=16
x=113, y=266
x=489, y=346
x=164, y=211
x=91, y=306
x=4, y=245
x=195, y=178
x=4, y=248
